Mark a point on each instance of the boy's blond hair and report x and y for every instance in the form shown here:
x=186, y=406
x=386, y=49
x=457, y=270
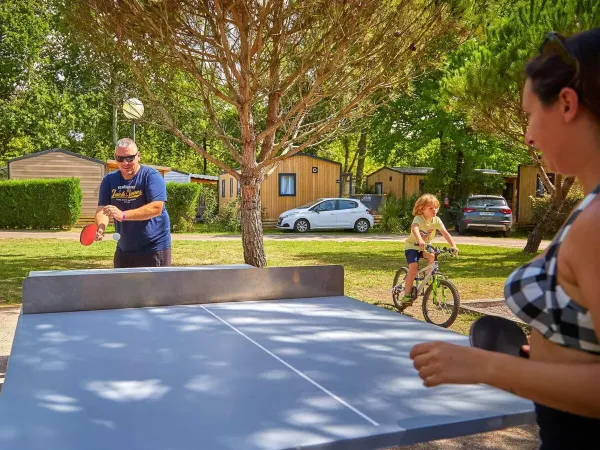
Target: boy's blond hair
x=423, y=202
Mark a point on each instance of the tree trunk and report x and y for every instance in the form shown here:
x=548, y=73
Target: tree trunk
x=560, y=193
x=206, y=150
x=346, y=146
x=360, y=165
x=252, y=231
x=460, y=161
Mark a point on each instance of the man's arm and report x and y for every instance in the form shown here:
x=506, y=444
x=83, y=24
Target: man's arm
x=101, y=222
x=103, y=200
x=145, y=212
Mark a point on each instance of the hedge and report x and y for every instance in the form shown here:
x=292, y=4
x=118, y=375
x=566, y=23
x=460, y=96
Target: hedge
x=182, y=203
x=40, y=203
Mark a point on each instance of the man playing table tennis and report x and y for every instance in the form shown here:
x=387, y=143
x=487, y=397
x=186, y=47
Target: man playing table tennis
x=134, y=197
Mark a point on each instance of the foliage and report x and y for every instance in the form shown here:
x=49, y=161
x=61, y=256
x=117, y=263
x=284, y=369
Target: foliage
x=229, y=216
x=182, y=205
x=40, y=204
x=470, y=182
x=209, y=197
x=541, y=204
x=396, y=214
x=485, y=76
x=55, y=91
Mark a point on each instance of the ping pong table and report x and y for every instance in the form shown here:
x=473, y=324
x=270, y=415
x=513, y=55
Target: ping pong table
x=226, y=357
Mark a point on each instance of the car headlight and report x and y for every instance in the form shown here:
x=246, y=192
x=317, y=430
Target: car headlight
x=290, y=215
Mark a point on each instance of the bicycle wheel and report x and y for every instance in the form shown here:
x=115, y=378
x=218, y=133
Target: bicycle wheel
x=441, y=307
x=398, y=288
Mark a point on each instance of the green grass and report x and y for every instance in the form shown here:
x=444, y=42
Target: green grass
x=369, y=267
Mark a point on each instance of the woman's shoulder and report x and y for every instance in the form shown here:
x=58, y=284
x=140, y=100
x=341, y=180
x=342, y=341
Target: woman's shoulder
x=585, y=225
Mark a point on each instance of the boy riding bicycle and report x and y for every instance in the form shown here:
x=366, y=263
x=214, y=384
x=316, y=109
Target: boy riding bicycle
x=422, y=231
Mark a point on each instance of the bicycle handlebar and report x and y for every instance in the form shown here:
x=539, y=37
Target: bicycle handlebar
x=436, y=250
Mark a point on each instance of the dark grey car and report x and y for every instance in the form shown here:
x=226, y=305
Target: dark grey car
x=486, y=213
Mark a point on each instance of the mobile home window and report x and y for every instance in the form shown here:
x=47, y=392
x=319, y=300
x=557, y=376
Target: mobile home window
x=287, y=184
x=231, y=187
x=222, y=188
x=379, y=188
x=238, y=188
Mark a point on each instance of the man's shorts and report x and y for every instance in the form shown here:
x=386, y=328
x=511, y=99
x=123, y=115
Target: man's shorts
x=412, y=256
x=160, y=258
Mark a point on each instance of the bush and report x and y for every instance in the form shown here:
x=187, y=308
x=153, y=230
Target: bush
x=541, y=204
x=396, y=214
x=229, y=216
x=209, y=196
x=40, y=203
x=182, y=205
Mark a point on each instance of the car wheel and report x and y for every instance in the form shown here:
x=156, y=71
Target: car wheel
x=461, y=229
x=302, y=226
x=506, y=233
x=362, y=226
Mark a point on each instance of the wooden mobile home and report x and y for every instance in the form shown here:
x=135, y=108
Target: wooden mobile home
x=297, y=180
x=401, y=182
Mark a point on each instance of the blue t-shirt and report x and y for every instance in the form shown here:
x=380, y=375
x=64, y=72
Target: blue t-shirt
x=138, y=236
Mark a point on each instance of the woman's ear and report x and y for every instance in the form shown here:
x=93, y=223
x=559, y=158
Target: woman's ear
x=568, y=102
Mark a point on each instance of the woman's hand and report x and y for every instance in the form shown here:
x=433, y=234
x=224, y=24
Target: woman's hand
x=445, y=363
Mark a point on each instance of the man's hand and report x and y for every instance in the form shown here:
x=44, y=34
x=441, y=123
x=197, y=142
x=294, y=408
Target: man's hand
x=113, y=212
x=422, y=245
x=454, y=251
x=100, y=233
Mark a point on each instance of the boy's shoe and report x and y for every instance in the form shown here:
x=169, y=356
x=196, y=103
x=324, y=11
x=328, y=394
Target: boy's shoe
x=407, y=299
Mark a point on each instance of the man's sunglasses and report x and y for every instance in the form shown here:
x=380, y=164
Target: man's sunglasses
x=554, y=45
x=129, y=158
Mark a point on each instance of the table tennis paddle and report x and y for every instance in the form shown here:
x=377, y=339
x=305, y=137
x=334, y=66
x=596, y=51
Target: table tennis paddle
x=498, y=334
x=88, y=234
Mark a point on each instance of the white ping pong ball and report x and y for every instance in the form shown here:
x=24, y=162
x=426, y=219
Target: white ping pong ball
x=116, y=236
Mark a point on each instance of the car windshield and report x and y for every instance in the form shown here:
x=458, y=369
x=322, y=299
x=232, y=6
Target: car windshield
x=309, y=204
x=486, y=202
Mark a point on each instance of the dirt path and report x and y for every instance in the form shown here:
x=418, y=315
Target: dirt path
x=8, y=322
x=286, y=236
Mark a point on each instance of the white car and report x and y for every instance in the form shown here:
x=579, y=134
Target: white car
x=345, y=213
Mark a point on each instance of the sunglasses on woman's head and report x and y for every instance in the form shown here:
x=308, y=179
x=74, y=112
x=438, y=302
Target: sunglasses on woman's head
x=554, y=45
x=128, y=158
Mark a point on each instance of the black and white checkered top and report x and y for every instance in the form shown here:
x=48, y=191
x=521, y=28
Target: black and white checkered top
x=533, y=294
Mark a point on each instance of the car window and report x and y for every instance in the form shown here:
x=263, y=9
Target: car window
x=328, y=205
x=309, y=204
x=486, y=202
x=347, y=204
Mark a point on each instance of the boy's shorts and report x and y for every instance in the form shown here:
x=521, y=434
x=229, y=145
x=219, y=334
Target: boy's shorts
x=412, y=256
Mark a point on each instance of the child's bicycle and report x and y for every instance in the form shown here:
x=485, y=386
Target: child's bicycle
x=441, y=300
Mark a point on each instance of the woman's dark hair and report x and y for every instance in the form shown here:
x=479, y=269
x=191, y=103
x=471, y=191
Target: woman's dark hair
x=549, y=71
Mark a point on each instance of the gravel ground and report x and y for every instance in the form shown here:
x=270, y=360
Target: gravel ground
x=522, y=438
x=8, y=322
